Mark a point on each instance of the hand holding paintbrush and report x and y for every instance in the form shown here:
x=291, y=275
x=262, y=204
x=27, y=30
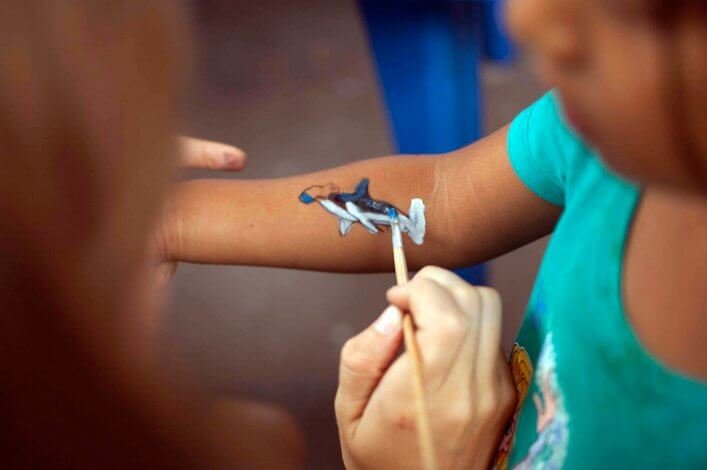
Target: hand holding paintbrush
x=466, y=385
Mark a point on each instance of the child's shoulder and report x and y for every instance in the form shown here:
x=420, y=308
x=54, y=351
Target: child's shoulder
x=545, y=152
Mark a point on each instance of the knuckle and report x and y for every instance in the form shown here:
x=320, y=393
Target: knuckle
x=428, y=271
x=421, y=287
x=354, y=359
x=462, y=414
x=348, y=350
x=442, y=276
x=452, y=325
x=491, y=297
x=467, y=297
x=488, y=407
x=339, y=404
x=422, y=290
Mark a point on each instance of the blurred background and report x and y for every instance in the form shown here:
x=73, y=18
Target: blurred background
x=294, y=84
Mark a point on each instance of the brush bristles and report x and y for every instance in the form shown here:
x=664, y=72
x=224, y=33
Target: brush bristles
x=397, y=234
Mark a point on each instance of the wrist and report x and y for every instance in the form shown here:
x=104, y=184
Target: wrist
x=166, y=236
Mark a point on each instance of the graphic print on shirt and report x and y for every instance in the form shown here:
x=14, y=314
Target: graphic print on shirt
x=522, y=373
x=539, y=308
x=550, y=448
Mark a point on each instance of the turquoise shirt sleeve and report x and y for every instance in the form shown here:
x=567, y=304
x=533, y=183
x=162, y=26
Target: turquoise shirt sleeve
x=537, y=140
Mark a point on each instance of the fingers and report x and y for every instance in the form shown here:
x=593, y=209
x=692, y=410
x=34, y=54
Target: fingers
x=400, y=295
x=478, y=331
x=440, y=322
x=461, y=373
x=445, y=277
x=364, y=359
x=198, y=153
x=489, y=337
x=428, y=298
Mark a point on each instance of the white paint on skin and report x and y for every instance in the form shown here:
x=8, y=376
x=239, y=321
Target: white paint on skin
x=344, y=226
x=336, y=210
x=362, y=217
x=414, y=224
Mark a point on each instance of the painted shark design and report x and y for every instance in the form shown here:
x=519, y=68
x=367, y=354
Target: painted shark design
x=358, y=206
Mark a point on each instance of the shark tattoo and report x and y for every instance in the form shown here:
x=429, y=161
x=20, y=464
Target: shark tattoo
x=358, y=206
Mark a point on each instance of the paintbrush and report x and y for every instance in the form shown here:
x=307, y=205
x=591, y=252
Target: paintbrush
x=424, y=431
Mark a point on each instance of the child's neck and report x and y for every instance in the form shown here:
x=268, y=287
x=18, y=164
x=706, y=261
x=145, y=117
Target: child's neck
x=665, y=278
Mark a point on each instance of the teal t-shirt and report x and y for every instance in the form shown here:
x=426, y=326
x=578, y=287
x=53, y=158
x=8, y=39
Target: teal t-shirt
x=593, y=397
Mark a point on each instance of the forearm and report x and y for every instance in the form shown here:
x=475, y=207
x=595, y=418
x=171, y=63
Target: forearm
x=263, y=223
x=476, y=209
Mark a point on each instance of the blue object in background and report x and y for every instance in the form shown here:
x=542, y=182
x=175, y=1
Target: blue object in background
x=427, y=55
x=497, y=45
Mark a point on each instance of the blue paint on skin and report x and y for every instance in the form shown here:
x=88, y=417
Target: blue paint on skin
x=306, y=198
x=359, y=197
x=359, y=193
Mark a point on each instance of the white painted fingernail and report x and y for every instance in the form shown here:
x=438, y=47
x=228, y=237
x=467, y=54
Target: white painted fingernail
x=389, y=321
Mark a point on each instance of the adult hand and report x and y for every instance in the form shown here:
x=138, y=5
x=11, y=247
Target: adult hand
x=198, y=154
x=470, y=395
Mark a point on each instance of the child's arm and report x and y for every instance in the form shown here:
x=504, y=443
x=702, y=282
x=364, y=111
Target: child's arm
x=477, y=208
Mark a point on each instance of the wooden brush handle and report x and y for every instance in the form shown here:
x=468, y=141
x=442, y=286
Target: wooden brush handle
x=427, y=449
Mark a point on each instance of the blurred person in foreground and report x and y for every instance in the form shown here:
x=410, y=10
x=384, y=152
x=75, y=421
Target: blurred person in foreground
x=89, y=95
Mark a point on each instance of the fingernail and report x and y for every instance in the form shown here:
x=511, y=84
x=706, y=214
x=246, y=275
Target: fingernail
x=389, y=321
x=232, y=159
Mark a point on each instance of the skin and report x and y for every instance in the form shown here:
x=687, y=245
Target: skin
x=614, y=71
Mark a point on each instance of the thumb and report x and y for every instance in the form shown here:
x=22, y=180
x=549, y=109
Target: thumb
x=364, y=360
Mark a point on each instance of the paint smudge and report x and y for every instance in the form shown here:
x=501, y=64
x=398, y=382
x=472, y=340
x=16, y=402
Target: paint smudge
x=358, y=206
